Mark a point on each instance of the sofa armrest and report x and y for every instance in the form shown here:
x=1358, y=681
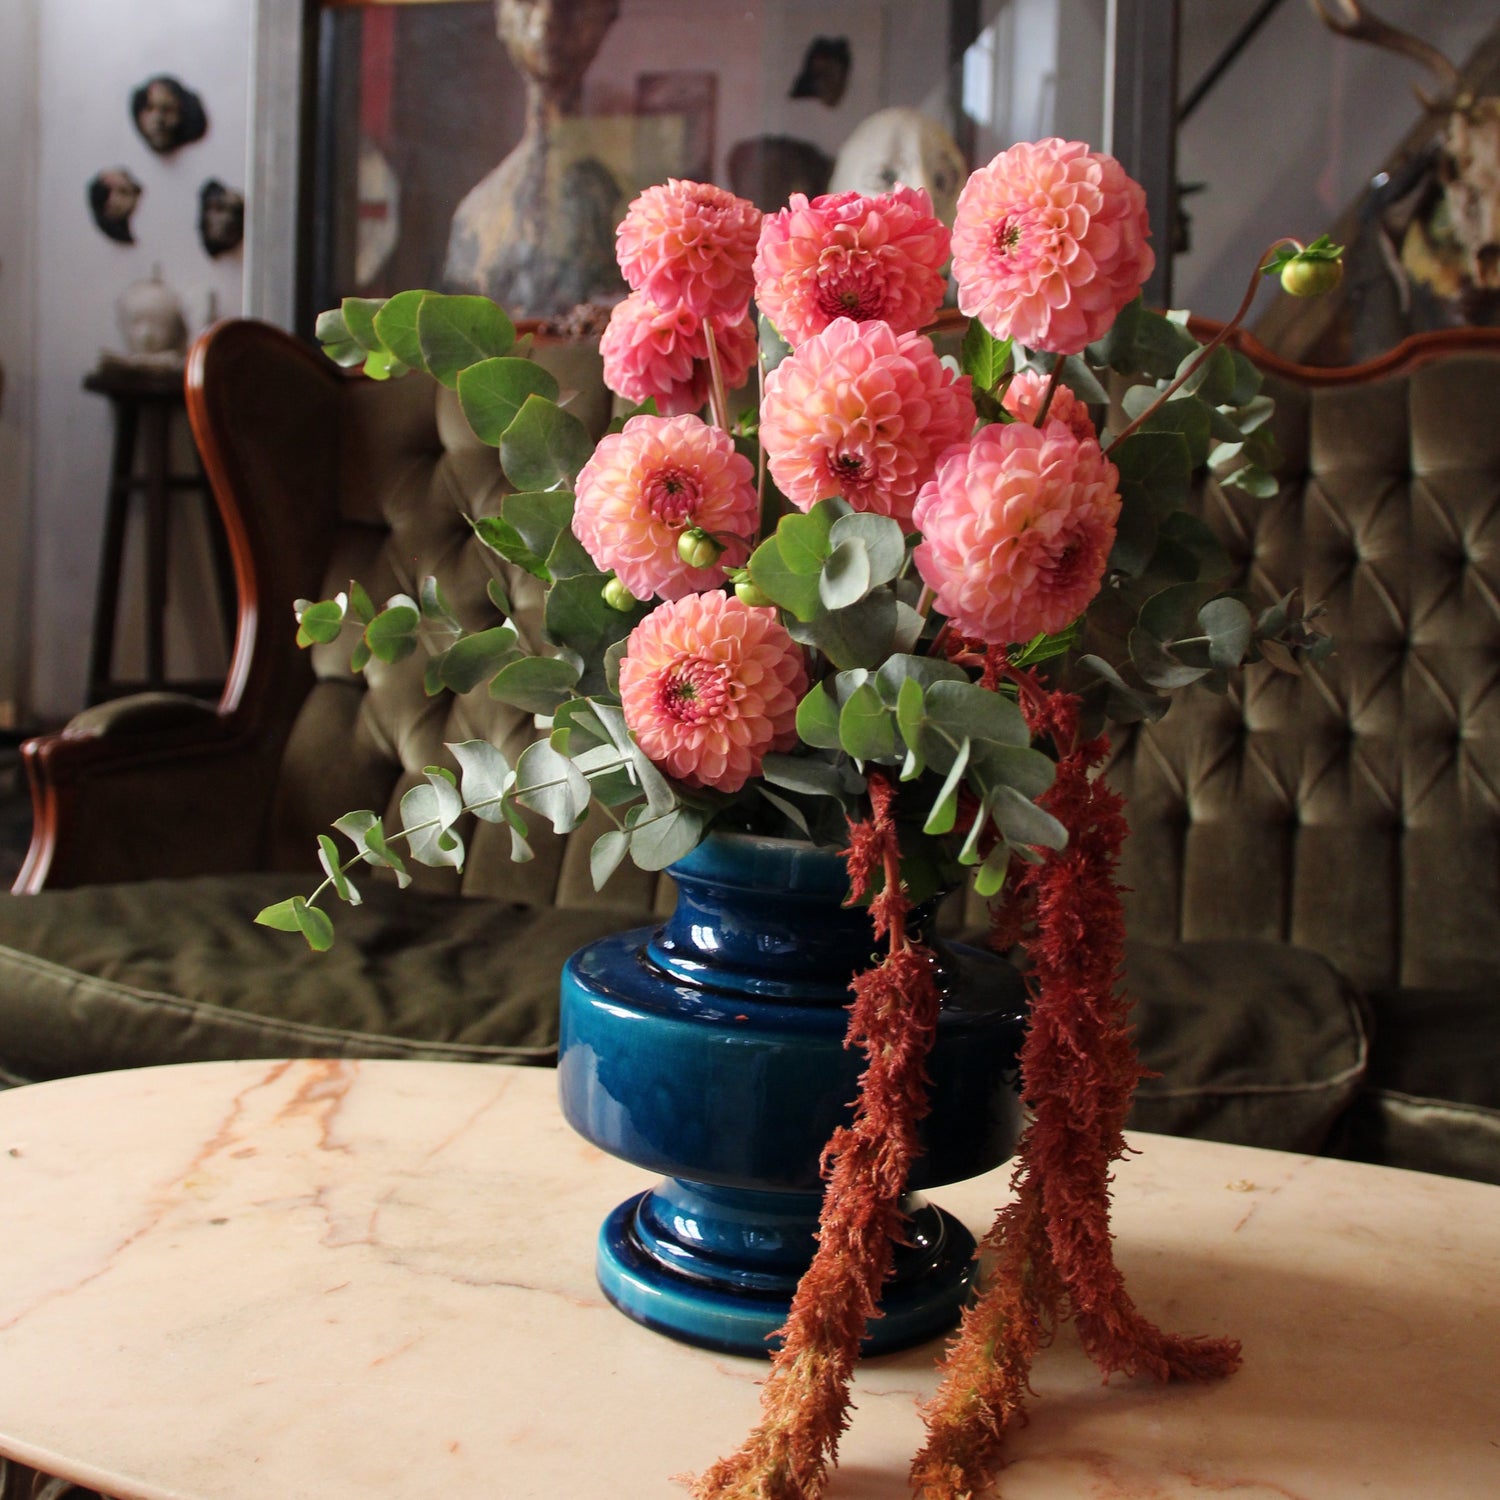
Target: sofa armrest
x=146, y=790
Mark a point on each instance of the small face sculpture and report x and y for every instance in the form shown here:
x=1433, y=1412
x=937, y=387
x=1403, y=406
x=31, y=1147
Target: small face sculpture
x=113, y=195
x=221, y=217
x=902, y=146
x=167, y=114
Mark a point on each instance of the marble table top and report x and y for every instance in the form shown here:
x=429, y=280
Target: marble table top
x=337, y=1279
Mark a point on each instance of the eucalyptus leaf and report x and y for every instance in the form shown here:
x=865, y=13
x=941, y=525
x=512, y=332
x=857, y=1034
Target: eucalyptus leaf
x=321, y=623
x=359, y=319
x=1229, y=628
x=866, y=727
x=789, y=810
x=535, y=684
x=818, y=719
x=544, y=447
x=396, y=328
x=896, y=669
x=858, y=636
x=503, y=539
x=552, y=785
x=661, y=839
x=605, y=855
x=944, y=811
x=485, y=778
x=966, y=710
x=845, y=578
x=338, y=343
x=1023, y=822
x=354, y=826
x=883, y=540
x=392, y=634
x=455, y=332
x=803, y=773
x=493, y=392
x=328, y=857
x=468, y=662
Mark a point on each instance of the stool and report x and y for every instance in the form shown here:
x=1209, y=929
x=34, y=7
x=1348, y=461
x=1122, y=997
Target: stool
x=146, y=401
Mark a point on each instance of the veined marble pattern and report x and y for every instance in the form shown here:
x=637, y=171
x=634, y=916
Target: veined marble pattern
x=337, y=1280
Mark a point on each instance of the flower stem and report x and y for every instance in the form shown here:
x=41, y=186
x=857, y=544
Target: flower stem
x=1206, y=352
x=717, y=399
x=1053, y=381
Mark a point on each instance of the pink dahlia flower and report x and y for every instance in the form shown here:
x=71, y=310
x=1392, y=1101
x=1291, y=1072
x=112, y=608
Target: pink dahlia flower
x=1049, y=243
x=848, y=256
x=647, y=484
x=1023, y=400
x=1017, y=526
x=709, y=685
x=862, y=412
x=691, y=243
x=650, y=352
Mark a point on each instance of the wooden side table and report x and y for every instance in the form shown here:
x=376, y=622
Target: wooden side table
x=227, y=1281
x=147, y=403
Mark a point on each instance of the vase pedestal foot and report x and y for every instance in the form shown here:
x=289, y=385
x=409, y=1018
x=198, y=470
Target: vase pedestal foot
x=717, y=1267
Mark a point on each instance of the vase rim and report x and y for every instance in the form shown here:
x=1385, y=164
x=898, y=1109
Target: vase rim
x=766, y=860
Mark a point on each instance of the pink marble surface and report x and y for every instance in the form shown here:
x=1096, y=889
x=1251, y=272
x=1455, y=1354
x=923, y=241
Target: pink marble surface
x=351, y=1279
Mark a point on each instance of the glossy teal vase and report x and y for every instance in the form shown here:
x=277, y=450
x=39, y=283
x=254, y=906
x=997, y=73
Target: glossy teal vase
x=711, y=1050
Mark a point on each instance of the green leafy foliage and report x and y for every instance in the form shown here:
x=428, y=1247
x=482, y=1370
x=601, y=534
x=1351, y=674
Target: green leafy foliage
x=889, y=685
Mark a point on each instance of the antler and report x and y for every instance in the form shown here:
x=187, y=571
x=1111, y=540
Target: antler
x=1349, y=18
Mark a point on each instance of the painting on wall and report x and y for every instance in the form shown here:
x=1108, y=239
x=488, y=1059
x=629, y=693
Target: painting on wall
x=693, y=98
x=425, y=129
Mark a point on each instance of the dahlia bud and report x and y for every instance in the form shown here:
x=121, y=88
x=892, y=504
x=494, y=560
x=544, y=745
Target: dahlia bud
x=697, y=548
x=746, y=590
x=617, y=596
x=748, y=593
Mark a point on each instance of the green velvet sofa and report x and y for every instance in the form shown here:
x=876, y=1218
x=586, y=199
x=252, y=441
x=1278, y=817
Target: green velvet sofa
x=1315, y=899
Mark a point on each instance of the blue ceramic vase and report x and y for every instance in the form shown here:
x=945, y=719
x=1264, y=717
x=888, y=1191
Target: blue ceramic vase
x=711, y=1050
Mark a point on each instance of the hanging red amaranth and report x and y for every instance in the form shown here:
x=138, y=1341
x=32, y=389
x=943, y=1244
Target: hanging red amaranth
x=1051, y=1249
x=805, y=1399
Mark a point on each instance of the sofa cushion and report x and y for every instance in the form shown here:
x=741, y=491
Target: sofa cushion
x=1431, y=1102
x=1254, y=1043
x=118, y=976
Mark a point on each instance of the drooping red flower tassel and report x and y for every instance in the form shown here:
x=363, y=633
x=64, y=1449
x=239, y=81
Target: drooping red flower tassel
x=1051, y=1248
x=805, y=1399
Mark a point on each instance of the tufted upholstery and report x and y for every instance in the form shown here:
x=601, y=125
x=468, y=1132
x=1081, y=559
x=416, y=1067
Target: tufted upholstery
x=1354, y=811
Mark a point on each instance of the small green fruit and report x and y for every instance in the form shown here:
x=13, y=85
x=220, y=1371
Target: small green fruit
x=617, y=596
x=697, y=548
x=747, y=593
x=1311, y=278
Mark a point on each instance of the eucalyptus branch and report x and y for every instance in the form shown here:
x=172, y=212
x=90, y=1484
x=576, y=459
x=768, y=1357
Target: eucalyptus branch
x=1206, y=352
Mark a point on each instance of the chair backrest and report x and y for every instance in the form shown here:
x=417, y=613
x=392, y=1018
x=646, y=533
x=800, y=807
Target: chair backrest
x=326, y=477
x=1354, y=810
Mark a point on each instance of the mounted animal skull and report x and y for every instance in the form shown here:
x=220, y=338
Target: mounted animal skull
x=1456, y=245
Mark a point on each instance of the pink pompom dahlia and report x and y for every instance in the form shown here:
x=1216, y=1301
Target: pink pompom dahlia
x=1017, y=527
x=690, y=243
x=846, y=255
x=1049, y=243
x=1023, y=400
x=654, y=352
x=709, y=685
x=862, y=412
x=647, y=484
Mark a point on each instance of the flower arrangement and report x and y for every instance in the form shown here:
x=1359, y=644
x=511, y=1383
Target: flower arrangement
x=888, y=608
